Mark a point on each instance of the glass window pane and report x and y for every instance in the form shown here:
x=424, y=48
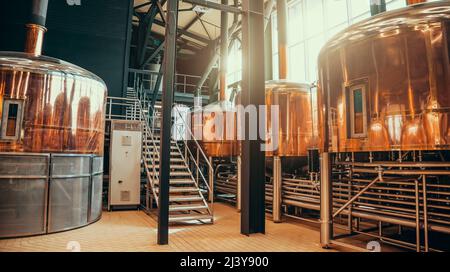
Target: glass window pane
x=314, y=17
x=336, y=12
x=297, y=65
x=314, y=46
x=295, y=26
x=275, y=66
x=357, y=100
x=358, y=114
x=396, y=4
x=274, y=34
x=359, y=7
x=11, y=124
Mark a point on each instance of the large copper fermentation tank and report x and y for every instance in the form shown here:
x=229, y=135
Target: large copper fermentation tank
x=51, y=140
x=384, y=104
x=386, y=82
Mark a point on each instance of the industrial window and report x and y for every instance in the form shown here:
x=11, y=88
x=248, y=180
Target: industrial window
x=11, y=119
x=358, y=116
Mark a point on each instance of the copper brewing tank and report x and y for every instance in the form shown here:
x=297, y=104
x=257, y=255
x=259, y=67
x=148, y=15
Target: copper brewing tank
x=215, y=128
x=61, y=106
x=384, y=83
x=296, y=130
x=295, y=125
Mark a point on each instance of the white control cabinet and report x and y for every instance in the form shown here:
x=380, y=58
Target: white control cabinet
x=125, y=163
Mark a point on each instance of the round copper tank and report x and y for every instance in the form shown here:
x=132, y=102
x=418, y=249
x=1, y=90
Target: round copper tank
x=214, y=126
x=384, y=83
x=295, y=124
x=60, y=106
x=296, y=130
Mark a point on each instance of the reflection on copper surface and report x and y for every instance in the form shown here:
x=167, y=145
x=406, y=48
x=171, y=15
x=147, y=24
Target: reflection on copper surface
x=63, y=105
x=216, y=129
x=406, y=77
x=295, y=134
x=216, y=126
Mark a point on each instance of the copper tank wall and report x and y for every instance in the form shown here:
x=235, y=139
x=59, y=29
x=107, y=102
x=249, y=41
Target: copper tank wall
x=398, y=63
x=295, y=125
x=62, y=105
x=296, y=130
x=215, y=141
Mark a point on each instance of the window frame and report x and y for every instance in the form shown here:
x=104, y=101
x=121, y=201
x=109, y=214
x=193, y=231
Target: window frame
x=5, y=116
x=351, y=91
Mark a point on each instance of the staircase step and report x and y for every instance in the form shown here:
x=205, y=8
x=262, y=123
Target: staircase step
x=188, y=217
x=179, y=182
x=151, y=153
x=175, y=166
x=180, y=190
x=151, y=147
x=172, y=160
x=185, y=198
x=176, y=174
x=189, y=207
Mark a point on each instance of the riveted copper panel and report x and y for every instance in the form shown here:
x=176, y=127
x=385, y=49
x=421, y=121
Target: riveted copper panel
x=401, y=59
x=63, y=108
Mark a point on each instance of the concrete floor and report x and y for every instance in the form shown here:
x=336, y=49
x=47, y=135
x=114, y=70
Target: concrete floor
x=136, y=231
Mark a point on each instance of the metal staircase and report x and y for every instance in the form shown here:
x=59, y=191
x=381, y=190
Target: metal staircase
x=187, y=202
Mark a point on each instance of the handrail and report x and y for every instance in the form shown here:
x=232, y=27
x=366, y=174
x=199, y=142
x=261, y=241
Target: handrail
x=138, y=109
x=210, y=190
x=195, y=140
x=184, y=81
x=200, y=149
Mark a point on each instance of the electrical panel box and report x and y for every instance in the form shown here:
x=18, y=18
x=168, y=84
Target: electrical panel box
x=125, y=163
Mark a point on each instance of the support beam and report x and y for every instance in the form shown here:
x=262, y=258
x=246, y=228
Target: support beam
x=277, y=188
x=223, y=52
x=282, y=11
x=161, y=11
x=326, y=201
x=268, y=12
x=239, y=175
x=185, y=33
x=156, y=90
x=216, y=56
x=145, y=24
x=213, y=5
x=193, y=21
x=253, y=93
x=167, y=101
x=326, y=185
x=153, y=55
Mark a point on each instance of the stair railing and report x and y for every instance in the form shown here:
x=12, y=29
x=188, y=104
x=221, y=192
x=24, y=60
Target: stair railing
x=196, y=159
x=153, y=156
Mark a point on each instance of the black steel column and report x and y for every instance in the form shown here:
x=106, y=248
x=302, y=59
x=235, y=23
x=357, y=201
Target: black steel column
x=167, y=101
x=253, y=93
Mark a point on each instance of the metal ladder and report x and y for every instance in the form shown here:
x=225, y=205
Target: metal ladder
x=187, y=202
